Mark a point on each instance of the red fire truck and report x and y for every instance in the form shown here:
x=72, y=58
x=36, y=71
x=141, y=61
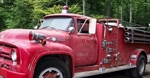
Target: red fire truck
x=73, y=46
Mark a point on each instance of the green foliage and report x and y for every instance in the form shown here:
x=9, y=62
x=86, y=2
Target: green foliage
x=26, y=13
x=75, y=9
x=47, y=7
x=16, y=14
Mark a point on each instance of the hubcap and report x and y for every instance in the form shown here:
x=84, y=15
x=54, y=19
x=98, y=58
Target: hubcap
x=51, y=73
x=141, y=67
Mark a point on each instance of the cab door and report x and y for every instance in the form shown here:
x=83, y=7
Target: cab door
x=84, y=45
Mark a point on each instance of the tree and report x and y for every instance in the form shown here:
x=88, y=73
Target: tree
x=20, y=15
x=5, y=9
x=26, y=13
x=46, y=7
x=108, y=7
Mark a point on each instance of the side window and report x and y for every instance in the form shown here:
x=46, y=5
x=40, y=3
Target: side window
x=83, y=26
x=71, y=24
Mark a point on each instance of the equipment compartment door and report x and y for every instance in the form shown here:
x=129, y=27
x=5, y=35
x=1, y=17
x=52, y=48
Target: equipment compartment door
x=109, y=46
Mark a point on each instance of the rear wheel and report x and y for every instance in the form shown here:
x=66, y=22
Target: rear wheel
x=51, y=68
x=138, y=72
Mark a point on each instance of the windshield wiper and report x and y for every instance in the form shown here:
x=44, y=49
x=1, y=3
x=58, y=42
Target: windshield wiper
x=49, y=27
x=45, y=27
x=53, y=28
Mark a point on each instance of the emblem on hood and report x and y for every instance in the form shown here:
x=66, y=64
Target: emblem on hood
x=2, y=36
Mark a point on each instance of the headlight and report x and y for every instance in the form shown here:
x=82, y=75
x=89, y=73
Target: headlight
x=13, y=55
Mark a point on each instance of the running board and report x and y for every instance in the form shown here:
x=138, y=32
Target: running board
x=101, y=71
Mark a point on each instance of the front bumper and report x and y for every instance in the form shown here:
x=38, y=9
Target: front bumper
x=5, y=73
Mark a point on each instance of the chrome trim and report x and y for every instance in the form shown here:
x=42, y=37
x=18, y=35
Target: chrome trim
x=101, y=71
x=110, y=29
x=108, y=56
x=56, y=39
x=148, y=58
x=2, y=36
x=133, y=57
x=105, y=60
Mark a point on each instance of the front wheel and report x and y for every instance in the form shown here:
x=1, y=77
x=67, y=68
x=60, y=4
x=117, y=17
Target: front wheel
x=138, y=72
x=51, y=68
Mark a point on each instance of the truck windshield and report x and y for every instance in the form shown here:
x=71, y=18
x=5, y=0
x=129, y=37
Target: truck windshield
x=60, y=23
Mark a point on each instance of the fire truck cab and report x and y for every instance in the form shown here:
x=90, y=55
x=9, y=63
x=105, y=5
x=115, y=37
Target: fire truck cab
x=73, y=46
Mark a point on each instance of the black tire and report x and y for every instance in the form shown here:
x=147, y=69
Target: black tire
x=138, y=72
x=52, y=66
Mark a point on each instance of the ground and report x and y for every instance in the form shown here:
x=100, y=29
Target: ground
x=121, y=75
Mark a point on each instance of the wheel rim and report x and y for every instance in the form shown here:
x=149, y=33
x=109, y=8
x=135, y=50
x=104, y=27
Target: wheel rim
x=51, y=73
x=141, y=67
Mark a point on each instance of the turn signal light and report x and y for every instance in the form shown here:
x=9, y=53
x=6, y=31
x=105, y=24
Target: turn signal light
x=43, y=42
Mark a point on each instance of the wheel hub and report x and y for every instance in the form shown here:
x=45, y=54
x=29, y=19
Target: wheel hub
x=51, y=73
x=141, y=67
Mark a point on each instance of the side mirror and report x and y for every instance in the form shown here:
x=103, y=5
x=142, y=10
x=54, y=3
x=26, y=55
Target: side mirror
x=92, y=26
x=41, y=20
x=38, y=24
x=71, y=29
x=36, y=27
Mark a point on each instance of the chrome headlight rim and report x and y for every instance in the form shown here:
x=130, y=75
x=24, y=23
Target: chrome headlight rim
x=14, y=55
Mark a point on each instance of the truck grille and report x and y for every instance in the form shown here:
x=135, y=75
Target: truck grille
x=5, y=52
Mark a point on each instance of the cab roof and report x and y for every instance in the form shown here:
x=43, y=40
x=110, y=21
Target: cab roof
x=68, y=14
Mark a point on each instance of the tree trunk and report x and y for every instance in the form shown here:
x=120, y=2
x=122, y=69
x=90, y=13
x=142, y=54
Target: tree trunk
x=121, y=14
x=108, y=7
x=2, y=1
x=66, y=2
x=83, y=7
x=130, y=20
x=145, y=13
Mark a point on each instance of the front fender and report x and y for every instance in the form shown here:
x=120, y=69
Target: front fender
x=51, y=49
x=135, y=54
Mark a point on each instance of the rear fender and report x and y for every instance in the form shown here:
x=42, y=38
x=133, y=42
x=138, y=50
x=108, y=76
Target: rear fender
x=54, y=49
x=135, y=54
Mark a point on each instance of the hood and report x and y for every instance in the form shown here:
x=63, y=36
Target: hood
x=23, y=34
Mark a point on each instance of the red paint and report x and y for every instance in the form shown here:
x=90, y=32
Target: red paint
x=85, y=51
x=11, y=74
